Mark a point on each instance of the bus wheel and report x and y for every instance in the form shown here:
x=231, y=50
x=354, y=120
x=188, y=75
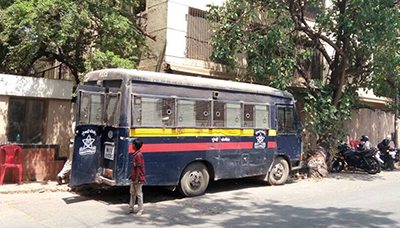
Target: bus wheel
x=194, y=180
x=279, y=172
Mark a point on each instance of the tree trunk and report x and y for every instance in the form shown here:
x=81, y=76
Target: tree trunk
x=337, y=80
x=316, y=164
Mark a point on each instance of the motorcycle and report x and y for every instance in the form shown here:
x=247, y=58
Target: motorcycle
x=388, y=157
x=364, y=159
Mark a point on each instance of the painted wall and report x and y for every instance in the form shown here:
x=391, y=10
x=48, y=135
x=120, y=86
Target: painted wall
x=156, y=26
x=3, y=118
x=376, y=124
x=60, y=115
x=13, y=85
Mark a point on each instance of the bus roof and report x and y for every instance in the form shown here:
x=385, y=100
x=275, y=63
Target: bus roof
x=174, y=79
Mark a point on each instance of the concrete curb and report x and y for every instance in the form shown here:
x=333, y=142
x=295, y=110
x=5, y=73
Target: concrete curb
x=33, y=187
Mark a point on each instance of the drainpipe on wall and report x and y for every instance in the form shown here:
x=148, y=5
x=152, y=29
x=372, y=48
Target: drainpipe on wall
x=396, y=118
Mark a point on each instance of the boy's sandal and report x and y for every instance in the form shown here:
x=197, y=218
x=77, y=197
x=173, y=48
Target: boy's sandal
x=129, y=212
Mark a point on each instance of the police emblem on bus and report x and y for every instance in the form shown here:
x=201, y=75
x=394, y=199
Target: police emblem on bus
x=88, y=147
x=260, y=137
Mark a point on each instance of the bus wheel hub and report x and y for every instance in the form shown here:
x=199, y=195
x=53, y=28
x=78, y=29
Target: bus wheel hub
x=195, y=178
x=278, y=171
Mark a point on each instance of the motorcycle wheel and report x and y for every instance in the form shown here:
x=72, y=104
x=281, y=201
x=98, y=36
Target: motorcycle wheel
x=373, y=165
x=337, y=166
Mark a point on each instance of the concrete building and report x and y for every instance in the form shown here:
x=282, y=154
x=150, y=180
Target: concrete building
x=182, y=35
x=36, y=113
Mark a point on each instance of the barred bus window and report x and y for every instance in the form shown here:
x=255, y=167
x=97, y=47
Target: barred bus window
x=96, y=109
x=233, y=116
x=203, y=113
x=153, y=112
x=147, y=112
x=137, y=111
x=219, y=114
x=84, y=109
x=186, y=113
x=112, y=109
x=168, y=112
x=248, y=115
x=150, y=112
x=262, y=116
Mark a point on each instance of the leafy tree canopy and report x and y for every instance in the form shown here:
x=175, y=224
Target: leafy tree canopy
x=85, y=34
x=357, y=39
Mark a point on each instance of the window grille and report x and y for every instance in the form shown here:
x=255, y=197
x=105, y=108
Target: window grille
x=198, y=36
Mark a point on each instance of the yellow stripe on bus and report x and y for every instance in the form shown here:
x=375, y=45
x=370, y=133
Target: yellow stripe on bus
x=271, y=132
x=154, y=132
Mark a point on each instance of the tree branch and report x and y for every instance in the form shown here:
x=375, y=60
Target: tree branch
x=302, y=25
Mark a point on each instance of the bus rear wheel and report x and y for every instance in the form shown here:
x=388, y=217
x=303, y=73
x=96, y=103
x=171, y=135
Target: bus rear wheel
x=279, y=172
x=194, y=180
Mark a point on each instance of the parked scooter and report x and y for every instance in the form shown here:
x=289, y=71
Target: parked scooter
x=363, y=159
x=387, y=155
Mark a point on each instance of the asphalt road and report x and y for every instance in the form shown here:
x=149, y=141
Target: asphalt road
x=342, y=200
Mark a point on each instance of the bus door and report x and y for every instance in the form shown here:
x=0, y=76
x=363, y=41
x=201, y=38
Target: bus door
x=96, y=138
x=288, y=139
x=87, y=143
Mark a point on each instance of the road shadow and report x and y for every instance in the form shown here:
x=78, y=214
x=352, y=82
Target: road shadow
x=202, y=211
x=75, y=199
x=154, y=194
x=355, y=176
x=396, y=170
x=120, y=195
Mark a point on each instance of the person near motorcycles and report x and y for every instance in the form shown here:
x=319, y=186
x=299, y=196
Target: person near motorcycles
x=384, y=148
x=364, y=143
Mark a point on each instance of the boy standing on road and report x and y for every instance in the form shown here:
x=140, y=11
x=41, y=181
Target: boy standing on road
x=137, y=177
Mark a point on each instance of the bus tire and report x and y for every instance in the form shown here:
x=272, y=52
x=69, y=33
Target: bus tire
x=194, y=180
x=279, y=172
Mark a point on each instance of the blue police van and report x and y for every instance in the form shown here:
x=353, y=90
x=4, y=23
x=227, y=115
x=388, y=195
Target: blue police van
x=194, y=130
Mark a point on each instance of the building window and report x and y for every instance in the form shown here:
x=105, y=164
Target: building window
x=313, y=8
x=25, y=120
x=317, y=65
x=198, y=36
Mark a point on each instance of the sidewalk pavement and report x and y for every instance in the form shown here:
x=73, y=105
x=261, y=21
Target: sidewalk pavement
x=33, y=187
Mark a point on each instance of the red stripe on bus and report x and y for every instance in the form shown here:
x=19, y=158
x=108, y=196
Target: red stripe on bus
x=271, y=144
x=177, y=147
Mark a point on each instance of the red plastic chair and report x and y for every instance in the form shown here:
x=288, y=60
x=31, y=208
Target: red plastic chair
x=354, y=144
x=9, y=153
